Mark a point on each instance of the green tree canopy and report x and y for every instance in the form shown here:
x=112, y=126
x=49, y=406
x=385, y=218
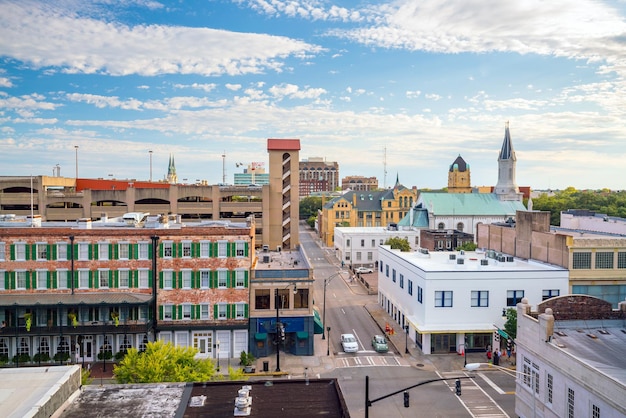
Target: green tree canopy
x=309, y=206
x=611, y=203
x=510, y=326
x=398, y=243
x=163, y=363
x=468, y=246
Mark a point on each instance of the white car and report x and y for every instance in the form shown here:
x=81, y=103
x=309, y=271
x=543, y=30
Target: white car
x=349, y=343
x=363, y=270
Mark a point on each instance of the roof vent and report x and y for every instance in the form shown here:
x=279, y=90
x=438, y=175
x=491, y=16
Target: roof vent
x=561, y=334
x=460, y=261
x=452, y=256
x=592, y=336
x=484, y=262
x=424, y=250
x=603, y=332
x=197, y=401
x=510, y=259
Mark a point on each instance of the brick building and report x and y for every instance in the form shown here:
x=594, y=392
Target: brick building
x=93, y=289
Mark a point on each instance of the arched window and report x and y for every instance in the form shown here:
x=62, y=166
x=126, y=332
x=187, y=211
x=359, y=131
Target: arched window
x=459, y=227
x=441, y=226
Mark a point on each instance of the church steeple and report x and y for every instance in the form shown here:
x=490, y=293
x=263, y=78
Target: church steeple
x=171, y=171
x=506, y=188
x=459, y=177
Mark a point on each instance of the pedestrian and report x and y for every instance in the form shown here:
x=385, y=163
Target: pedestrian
x=496, y=357
x=488, y=351
x=509, y=347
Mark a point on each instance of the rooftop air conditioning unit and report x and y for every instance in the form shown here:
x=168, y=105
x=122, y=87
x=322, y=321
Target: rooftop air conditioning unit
x=501, y=258
x=460, y=261
x=510, y=259
x=452, y=256
x=424, y=250
x=266, y=258
x=484, y=262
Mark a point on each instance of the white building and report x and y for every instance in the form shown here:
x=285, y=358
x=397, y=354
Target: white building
x=571, y=359
x=446, y=296
x=358, y=246
x=586, y=220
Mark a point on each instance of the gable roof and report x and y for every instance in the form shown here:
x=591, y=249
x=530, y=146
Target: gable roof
x=468, y=204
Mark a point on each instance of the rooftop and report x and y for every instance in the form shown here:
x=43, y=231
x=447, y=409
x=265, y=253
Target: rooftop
x=280, y=260
x=437, y=261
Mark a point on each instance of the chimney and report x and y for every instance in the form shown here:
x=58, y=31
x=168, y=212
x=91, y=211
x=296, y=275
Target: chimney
x=546, y=321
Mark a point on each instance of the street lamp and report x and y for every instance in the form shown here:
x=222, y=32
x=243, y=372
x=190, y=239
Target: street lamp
x=217, y=347
x=406, y=339
x=328, y=348
x=76, y=150
x=326, y=281
x=510, y=372
x=150, y=152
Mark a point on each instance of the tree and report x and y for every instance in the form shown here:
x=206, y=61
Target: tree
x=309, y=206
x=468, y=246
x=163, y=363
x=398, y=243
x=510, y=326
x=311, y=221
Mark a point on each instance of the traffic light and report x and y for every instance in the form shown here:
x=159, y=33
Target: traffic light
x=457, y=385
x=282, y=333
x=406, y=399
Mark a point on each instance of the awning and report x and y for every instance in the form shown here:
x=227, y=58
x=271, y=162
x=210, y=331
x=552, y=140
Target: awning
x=318, y=327
x=303, y=335
x=260, y=336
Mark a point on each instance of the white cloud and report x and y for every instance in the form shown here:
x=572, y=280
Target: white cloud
x=303, y=9
x=584, y=29
x=294, y=92
x=233, y=87
x=413, y=94
x=207, y=87
x=432, y=96
x=86, y=45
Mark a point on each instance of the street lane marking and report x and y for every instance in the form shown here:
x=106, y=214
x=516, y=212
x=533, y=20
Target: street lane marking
x=491, y=383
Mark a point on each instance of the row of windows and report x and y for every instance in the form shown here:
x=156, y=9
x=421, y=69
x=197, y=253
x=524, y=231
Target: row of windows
x=188, y=311
x=603, y=260
x=44, y=251
x=122, y=278
x=203, y=279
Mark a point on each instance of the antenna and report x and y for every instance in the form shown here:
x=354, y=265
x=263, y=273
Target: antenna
x=385, y=168
x=224, y=167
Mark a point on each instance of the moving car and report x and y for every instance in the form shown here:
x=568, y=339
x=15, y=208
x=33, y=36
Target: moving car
x=380, y=344
x=349, y=343
x=363, y=270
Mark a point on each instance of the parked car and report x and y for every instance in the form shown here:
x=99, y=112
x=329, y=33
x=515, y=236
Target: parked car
x=380, y=344
x=349, y=343
x=363, y=270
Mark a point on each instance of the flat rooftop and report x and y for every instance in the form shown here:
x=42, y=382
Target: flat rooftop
x=280, y=260
x=598, y=343
x=436, y=261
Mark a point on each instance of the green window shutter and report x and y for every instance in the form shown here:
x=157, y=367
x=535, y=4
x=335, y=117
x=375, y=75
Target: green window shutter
x=116, y=279
x=75, y=253
x=195, y=249
x=150, y=251
x=113, y=251
x=245, y=310
x=48, y=283
x=180, y=279
x=214, y=249
x=229, y=249
x=12, y=252
x=215, y=311
x=136, y=279
x=245, y=278
x=134, y=252
x=230, y=279
x=7, y=280
x=231, y=309
x=27, y=251
x=161, y=312
x=180, y=312
x=91, y=250
x=93, y=284
x=49, y=252
x=160, y=280
x=245, y=248
x=76, y=279
x=179, y=250
x=28, y=273
x=161, y=250
x=111, y=280
x=53, y=252
x=150, y=279
x=213, y=281
x=197, y=308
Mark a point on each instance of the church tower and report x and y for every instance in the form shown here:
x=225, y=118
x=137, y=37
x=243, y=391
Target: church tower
x=459, y=177
x=172, y=178
x=507, y=189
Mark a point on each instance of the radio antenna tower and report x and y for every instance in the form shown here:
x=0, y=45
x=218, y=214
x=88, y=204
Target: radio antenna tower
x=224, y=167
x=385, y=168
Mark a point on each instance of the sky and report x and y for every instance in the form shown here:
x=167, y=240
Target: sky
x=386, y=89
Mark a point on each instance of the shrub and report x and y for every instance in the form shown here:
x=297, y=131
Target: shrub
x=105, y=355
x=21, y=358
x=61, y=357
x=41, y=357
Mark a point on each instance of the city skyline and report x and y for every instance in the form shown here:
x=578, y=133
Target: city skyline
x=410, y=83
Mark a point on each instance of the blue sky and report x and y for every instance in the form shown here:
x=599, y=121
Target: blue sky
x=413, y=83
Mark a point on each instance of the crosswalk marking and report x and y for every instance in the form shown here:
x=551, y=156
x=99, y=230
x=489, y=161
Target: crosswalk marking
x=367, y=361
